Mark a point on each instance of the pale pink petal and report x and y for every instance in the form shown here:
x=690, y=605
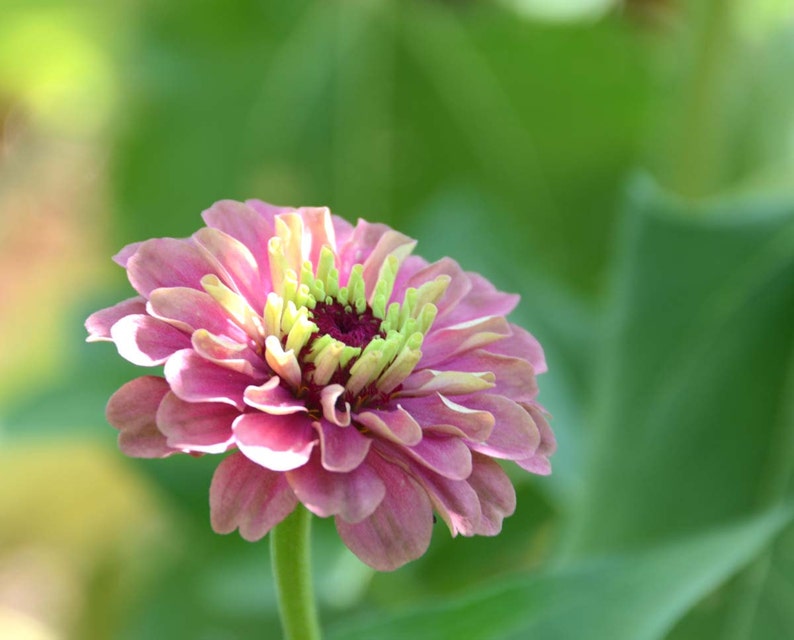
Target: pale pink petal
x=331, y=397
x=205, y=427
x=437, y=413
x=189, y=309
x=235, y=264
x=99, y=323
x=342, y=448
x=521, y=344
x=495, y=491
x=352, y=495
x=399, y=530
x=132, y=410
x=359, y=246
x=448, y=383
x=319, y=226
x=271, y=397
x=267, y=211
x=444, y=344
x=123, y=256
x=515, y=435
x=147, y=341
x=515, y=378
x=168, y=262
x=195, y=379
x=279, y=443
x=391, y=243
x=396, y=425
x=241, y=221
x=457, y=290
x=228, y=353
x=247, y=497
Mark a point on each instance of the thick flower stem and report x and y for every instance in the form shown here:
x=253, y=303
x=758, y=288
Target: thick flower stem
x=289, y=554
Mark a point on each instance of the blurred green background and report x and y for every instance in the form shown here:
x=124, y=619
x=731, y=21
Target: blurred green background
x=626, y=166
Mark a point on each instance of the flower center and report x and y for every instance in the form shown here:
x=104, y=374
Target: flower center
x=345, y=325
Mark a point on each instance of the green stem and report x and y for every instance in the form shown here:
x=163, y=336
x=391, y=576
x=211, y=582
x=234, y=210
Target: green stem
x=289, y=554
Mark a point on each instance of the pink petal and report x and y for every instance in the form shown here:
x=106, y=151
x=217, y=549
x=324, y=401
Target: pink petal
x=522, y=344
x=399, y=530
x=99, y=323
x=391, y=243
x=195, y=379
x=396, y=425
x=227, y=353
x=196, y=426
x=132, y=410
x=495, y=491
x=273, y=398
x=342, y=448
x=189, y=309
x=268, y=211
x=168, y=262
x=244, y=495
x=279, y=443
x=454, y=500
x=446, y=455
x=123, y=256
x=515, y=378
x=352, y=495
x=359, y=246
x=539, y=462
x=515, y=435
x=147, y=341
x=318, y=224
x=482, y=296
x=330, y=399
x=458, y=288
x=444, y=344
x=235, y=265
x=244, y=223
x=439, y=414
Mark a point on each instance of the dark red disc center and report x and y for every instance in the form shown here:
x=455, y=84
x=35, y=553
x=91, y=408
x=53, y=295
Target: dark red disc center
x=355, y=330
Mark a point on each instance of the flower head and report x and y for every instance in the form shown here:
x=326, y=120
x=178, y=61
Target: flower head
x=336, y=368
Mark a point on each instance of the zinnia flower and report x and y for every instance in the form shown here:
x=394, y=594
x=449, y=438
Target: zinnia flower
x=338, y=369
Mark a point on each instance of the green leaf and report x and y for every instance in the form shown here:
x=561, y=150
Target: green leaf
x=690, y=429
x=629, y=596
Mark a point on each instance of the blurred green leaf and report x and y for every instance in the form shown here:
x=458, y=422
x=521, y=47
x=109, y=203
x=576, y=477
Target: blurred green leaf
x=628, y=596
x=689, y=428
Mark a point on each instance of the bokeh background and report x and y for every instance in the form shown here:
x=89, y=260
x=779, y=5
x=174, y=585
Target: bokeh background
x=626, y=166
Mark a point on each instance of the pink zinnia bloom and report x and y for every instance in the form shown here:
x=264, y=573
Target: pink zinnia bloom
x=338, y=369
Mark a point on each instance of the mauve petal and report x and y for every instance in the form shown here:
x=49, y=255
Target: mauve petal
x=515, y=378
x=168, y=262
x=495, y=491
x=515, y=435
x=247, y=497
x=412, y=265
x=195, y=379
x=147, y=341
x=352, y=495
x=99, y=323
x=123, y=256
x=205, y=427
x=132, y=410
x=457, y=289
x=235, y=265
x=439, y=414
x=454, y=500
x=279, y=443
x=242, y=222
x=539, y=462
x=342, y=448
x=399, y=530
x=521, y=344
x=189, y=309
x=273, y=398
x=446, y=455
x=483, y=296
x=443, y=345
x=396, y=425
